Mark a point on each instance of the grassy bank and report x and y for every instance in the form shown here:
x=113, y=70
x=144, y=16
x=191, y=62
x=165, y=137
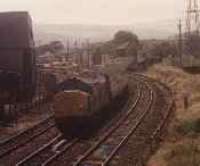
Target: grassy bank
x=182, y=145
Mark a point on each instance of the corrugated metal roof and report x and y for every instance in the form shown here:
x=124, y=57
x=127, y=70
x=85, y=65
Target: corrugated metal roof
x=15, y=30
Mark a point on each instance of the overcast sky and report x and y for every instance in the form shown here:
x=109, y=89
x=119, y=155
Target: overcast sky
x=97, y=11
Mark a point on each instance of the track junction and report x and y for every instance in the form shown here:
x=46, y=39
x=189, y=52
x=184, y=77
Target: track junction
x=128, y=139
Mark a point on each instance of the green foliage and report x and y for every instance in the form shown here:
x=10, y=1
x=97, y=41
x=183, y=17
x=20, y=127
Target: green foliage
x=189, y=127
x=126, y=41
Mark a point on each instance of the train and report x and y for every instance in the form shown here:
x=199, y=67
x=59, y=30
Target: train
x=17, y=57
x=84, y=101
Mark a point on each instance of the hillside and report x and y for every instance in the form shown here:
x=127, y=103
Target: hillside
x=145, y=30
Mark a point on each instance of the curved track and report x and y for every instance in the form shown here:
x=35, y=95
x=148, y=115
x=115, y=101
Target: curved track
x=144, y=141
x=128, y=139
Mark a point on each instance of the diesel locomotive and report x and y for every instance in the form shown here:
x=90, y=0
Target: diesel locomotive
x=82, y=101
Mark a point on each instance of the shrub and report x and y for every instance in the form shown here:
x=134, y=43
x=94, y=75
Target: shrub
x=189, y=127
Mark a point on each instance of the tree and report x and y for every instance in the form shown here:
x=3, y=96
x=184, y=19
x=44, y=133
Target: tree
x=125, y=43
x=125, y=36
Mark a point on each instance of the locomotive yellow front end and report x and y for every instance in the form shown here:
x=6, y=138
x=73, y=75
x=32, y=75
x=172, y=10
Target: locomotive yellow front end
x=71, y=110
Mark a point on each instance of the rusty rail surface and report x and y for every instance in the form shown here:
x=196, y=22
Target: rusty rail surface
x=26, y=136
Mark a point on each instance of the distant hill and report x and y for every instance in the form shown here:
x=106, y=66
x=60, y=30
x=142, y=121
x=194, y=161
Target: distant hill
x=45, y=33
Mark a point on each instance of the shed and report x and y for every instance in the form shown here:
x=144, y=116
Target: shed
x=17, y=49
x=16, y=30
x=16, y=42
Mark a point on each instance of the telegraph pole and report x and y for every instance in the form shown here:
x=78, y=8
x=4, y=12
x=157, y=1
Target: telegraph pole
x=180, y=43
x=88, y=52
x=68, y=50
x=192, y=17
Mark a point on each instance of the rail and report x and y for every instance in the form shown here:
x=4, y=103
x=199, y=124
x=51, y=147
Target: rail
x=50, y=160
x=23, y=137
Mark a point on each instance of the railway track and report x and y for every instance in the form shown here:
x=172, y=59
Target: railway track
x=127, y=128
x=155, y=114
x=130, y=137
x=73, y=155
x=50, y=153
x=23, y=137
x=18, y=146
x=146, y=140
